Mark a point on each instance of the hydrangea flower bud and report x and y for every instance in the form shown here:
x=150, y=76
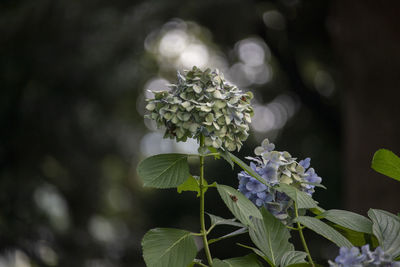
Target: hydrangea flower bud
x=352, y=257
x=276, y=167
x=203, y=103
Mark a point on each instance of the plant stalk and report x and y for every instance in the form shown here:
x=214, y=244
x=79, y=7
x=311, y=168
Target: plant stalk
x=303, y=240
x=202, y=192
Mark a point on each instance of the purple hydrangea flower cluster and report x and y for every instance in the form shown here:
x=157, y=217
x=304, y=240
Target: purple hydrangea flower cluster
x=352, y=257
x=310, y=176
x=276, y=167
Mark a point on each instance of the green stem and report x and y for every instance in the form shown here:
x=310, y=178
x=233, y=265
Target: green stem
x=205, y=155
x=200, y=264
x=202, y=191
x=294, y=228
x=303, y=240
x=209, y=229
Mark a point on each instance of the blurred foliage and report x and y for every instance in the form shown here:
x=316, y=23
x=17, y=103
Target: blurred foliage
x=72, y=79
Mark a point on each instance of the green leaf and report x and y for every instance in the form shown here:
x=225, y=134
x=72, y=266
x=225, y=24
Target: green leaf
x=192, y=184
x=202, y=150
x=292, y=257
x=234, y=233
x=325, y=230
x=163, y=247
x=386, y=228
x=164, y=170
x=270, y=236
x=317, y=210
x=214, y=150
x=246, y=261
x=255, y=250
x=225, y=155
x=387, y=163
x=349, y=220
x=247, y=168
x=303, y=200
x=238, y=204
x=216, y=220
x=358, y=239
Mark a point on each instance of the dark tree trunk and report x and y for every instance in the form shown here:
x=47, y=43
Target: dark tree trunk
x=366, y=37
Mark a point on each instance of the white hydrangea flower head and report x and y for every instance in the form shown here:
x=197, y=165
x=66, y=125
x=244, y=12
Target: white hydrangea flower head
x=203, y=103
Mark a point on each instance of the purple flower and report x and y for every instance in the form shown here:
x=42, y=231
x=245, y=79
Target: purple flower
x=351, y=257
x=276, y=167
x=310, y=176
x=305, y=163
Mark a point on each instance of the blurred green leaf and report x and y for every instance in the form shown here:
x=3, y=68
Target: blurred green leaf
x=164, y=170
x=202, y=150
x=214, y=150
x=165, y=247
x=387, y=163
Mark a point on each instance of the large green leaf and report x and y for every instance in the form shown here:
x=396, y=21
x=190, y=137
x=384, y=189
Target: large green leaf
x=387, y=163
x=349, y=220
x=303, y=200
x=164, y=170
x=246, y=261
x=270, y=236
x=164, y=247
x=247, y=168
x=325, y=230
x=238, y=204
x=293, y=257
x=386, y=228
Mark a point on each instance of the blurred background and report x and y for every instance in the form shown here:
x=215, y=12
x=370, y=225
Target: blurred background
x=73, y=79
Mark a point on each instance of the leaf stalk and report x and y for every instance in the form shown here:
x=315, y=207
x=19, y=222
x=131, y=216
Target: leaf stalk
x=303, y=240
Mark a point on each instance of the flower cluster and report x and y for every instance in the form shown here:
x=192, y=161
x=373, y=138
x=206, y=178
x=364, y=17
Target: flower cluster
x=351, y=257
x=203, y=103
x=276, y=168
